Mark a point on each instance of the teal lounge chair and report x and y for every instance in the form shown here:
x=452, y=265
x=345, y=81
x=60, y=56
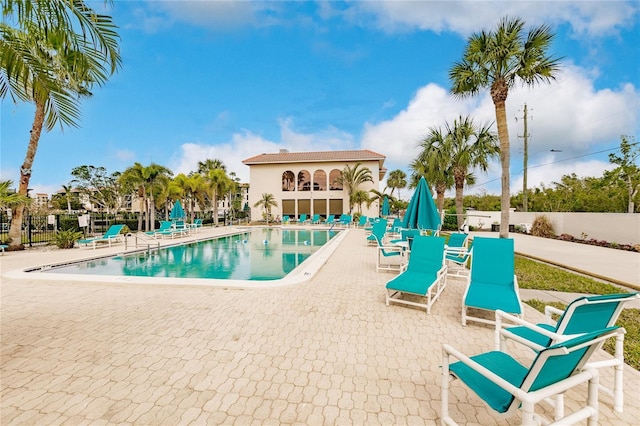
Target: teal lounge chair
x=405, y=234
x=315, y=220
x=302, y=219
x=330, y=220
x=505, y=385
x=387, y=251
x=3, y=247
x=362, y=222
x=345, y=220
x=583, y=315
x=112, y=235
x=286, y=220
x=378, y=232
x=457, y=254
x=492, y=284
x=426, y=274
x=397, y=225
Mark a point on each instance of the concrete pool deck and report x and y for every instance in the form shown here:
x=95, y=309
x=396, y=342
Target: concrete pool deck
x=326, y=351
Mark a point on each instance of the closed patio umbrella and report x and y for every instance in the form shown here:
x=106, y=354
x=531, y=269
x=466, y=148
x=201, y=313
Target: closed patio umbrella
x=422, y=212
x=385, y=206
x=177, y=212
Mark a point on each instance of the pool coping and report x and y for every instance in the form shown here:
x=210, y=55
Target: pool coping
x=303, y=272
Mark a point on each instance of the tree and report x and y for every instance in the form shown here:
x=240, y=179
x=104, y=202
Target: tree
x=149, y=181
x=627, y=170
x=218, y=182
x=10, y=198
x=397, y=180
x=67, y=195
x=434, y=165
x=194, y=190
x=497, y=60
x=360, y=196
x=352, y=178
x=266, y=202
x=52, y=56
x=98, y=187
x=210, y=164
x=468, y=147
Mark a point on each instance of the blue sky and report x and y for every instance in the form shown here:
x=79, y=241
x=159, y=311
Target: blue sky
x=231, y=80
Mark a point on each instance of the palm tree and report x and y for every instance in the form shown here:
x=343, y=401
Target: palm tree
x=266, y=202
x=496, y=60
x=53, y=57
x=434, y=167
x=150, y=182
x=352, y=178
x=207, y=165
x=359, y=197
x=67, y=195
x=194, y=190
x=468, y=147
x=397, y=180
x=218, y=182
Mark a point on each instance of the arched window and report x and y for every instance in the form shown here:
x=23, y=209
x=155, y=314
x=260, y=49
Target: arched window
x=334, y=180
x=288, y=181
x=304, y=181
x=319, y=180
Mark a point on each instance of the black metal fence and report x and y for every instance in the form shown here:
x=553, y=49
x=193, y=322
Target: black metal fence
x=41, y=229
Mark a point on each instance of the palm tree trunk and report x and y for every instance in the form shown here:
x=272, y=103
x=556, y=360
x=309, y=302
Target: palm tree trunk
x=15, y=232
x=459, y=199
x=505, y=197
x=214, y=200
x=440, y=190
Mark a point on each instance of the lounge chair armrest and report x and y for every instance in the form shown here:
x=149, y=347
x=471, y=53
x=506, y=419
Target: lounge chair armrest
x=501, y=331
x=549, y=311
x=448, y=350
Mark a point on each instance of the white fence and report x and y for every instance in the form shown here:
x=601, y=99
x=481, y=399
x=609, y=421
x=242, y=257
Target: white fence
x=621, y=228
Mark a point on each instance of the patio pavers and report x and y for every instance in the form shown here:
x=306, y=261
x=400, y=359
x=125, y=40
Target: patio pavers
x=327, y=351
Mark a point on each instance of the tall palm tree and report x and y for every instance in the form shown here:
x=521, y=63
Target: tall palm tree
x=352, y=178
x=150, y=182
x=194, y=190
x=469, y=147
x=434, y=167
x=218, y=182
x=496, y=60
x=67, y=195
x=360, y=196
x=210, y=164
x=266, y=202
x=397, y=180
x=52, y=56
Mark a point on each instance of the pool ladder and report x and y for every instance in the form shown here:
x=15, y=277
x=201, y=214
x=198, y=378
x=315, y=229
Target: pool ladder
x=146, y=241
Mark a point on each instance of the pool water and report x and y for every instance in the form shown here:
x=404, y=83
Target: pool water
x=262, y=254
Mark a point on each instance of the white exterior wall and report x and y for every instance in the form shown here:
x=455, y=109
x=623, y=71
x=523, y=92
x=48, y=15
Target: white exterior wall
x=621, y=228
x=267, y=178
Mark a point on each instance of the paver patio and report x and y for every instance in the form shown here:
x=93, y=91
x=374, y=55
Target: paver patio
x=327, y=351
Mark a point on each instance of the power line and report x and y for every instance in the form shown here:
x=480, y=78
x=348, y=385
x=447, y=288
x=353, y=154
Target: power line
x=555, y=162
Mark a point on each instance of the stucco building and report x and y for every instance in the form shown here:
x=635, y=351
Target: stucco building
x=307, y=182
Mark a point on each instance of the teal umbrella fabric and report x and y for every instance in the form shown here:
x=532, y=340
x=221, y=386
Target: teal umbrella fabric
x=385, y=206
x=177, y=212
x=422, y=212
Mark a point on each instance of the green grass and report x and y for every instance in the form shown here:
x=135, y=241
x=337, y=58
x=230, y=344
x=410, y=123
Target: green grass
x=539, y=276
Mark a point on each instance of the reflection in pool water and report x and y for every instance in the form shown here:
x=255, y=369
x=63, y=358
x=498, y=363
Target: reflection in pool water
x=262, y=254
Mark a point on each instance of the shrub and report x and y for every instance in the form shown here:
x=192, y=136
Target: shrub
x=66, y=239
x=542, y=227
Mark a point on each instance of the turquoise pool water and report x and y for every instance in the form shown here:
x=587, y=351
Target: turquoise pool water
x=261, y=254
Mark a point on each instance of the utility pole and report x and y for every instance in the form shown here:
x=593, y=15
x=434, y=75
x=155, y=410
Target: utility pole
x=525, y=159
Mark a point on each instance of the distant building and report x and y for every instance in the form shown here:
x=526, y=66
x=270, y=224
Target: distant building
x=307, y=182
x=41, y=201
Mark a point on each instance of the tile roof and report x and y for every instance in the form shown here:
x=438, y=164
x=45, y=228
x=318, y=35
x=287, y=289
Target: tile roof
x=314, y=157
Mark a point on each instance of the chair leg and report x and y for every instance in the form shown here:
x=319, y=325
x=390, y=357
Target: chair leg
x=618, y=387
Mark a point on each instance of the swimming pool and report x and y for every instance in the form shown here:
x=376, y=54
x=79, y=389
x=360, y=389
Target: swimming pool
x=271, y=256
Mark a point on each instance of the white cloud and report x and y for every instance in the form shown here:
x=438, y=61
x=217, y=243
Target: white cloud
x=591, y=17
x=569, y=114
x=125, y=155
